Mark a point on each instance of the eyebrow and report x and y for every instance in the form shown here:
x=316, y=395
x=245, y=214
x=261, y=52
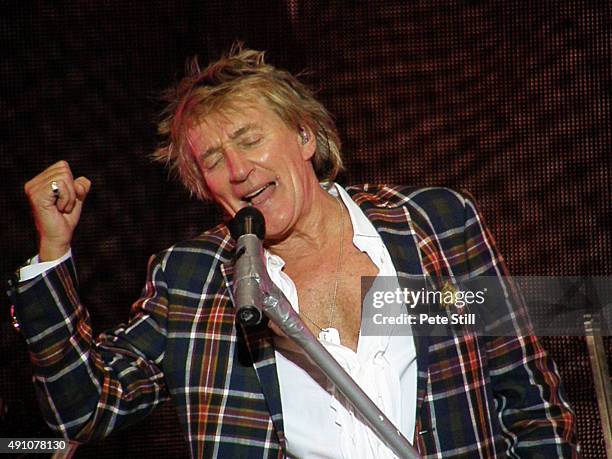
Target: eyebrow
x=233, y=136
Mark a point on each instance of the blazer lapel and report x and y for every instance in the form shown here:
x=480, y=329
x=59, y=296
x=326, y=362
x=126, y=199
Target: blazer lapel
x=393, y=223
x=261, y=349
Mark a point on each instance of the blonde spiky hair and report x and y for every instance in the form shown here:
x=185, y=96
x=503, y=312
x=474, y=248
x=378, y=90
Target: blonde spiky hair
x=240, y=77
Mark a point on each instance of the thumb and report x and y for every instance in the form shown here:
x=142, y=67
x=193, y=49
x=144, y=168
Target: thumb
x=82, y=185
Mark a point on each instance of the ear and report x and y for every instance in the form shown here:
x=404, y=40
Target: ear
x=307, y=142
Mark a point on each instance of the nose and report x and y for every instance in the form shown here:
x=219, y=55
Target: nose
x=239, y=167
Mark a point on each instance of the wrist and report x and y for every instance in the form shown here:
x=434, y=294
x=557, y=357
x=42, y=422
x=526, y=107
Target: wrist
x=48, y=251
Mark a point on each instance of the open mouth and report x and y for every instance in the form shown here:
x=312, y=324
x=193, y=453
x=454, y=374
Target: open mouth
x=251, y=196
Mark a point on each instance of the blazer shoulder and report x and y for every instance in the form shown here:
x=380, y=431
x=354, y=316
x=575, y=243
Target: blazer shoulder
x=426, y=198
x=208, y=248
x=444, y=208
x=438, y=208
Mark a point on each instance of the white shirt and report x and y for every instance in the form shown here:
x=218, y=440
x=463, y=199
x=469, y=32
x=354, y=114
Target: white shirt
x=35, y=267
x=317, y=422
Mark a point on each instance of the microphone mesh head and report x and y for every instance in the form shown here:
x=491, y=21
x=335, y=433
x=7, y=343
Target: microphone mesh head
x=248, y=220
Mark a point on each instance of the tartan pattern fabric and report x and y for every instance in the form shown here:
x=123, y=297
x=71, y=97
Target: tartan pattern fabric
x=476, y=396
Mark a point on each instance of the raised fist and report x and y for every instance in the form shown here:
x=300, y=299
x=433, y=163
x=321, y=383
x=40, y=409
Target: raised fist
x=56, y=199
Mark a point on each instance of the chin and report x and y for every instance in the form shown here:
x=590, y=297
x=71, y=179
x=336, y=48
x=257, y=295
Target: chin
x=276, y=231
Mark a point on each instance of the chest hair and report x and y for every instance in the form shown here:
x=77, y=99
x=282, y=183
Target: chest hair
x=315, y=280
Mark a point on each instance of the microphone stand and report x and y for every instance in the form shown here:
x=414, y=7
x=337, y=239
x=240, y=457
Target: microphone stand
x=271, y=301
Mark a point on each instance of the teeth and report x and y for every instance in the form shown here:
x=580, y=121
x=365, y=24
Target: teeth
x=256, y=192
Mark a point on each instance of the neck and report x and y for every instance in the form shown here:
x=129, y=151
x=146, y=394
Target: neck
x=318, y=232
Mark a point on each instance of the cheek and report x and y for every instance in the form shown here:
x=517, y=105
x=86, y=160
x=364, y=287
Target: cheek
x=214, y=179
x=218, y=188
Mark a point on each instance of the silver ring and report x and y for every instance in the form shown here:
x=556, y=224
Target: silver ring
x=55, y=189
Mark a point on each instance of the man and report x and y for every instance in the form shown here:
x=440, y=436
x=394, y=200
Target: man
x=242, y=132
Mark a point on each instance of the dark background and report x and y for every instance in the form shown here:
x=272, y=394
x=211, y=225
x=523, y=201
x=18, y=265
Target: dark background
x=509, y=100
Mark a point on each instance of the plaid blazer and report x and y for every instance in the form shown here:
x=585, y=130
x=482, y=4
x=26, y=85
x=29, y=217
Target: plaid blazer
x=477, y=396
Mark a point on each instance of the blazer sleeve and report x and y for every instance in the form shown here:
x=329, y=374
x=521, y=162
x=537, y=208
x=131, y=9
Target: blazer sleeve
x=535, y=418
x=88, y=387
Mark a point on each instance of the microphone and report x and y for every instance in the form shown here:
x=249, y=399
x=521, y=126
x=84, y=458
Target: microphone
x=248, y=227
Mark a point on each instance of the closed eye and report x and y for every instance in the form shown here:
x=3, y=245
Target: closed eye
x=250, y=141
x=212, y=160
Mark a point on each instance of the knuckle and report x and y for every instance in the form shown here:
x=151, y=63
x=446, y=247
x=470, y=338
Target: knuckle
x=64, y=169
